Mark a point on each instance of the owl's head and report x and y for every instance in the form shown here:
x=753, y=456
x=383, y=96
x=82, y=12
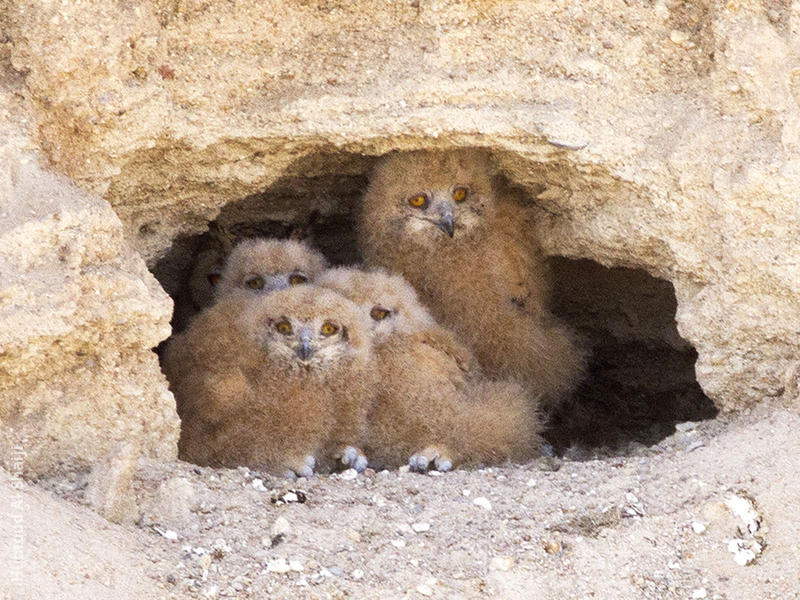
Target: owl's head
x=262, y=266
x=307, y=329
x=206, y=273
x=429, y=197
x=389, y=302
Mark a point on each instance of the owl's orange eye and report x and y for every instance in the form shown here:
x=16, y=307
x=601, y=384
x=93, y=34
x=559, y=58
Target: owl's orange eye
x=213, y=279
x=328, y=329
x=460, y=194
x=283, y=327
x=256, y=283
x=378, y=313
x=297, y=279
x=419, y=201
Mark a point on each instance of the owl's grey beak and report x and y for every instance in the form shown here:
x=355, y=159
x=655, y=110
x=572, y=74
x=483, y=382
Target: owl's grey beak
x=446, y=222
x=278, y=282
x=304, y=348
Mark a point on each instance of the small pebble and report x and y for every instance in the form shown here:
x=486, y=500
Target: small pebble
x=549, y=463
x=278, y=565
x=295, y=565
x=280, y=527
x=694, y=445
x=421, y=527
x=357, y=574
x=336, y=571
x=258, y=485
x=399, y=543
x=551, y=546
x=466, y=493
x=349, y=474
x=699, y=527
x=167, y=533
x=530, y=482
x=354, y=536
x=482, y=502
x=501, y=563
x=678, y=37
x=699, y=593
x=425, y=590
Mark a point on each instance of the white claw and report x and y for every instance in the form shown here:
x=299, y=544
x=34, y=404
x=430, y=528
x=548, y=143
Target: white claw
x=442, y=464
x=352, y=457
x=361, y=464
x=418, y=463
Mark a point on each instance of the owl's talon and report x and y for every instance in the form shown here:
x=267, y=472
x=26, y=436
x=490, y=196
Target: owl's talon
x=305, y=469
x=439, y=459
x=418, y=463
x=353, y=458
x=443, y=464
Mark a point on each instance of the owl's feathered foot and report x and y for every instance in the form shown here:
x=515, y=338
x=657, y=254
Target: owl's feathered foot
x=437, y=456
x=303, y=468
x=352, y=458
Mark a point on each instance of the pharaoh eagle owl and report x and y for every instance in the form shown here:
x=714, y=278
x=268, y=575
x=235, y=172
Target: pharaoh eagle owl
x=259, y=265
x=433, y=408
x=435, y=218
x=281, y=382
x=267, y=265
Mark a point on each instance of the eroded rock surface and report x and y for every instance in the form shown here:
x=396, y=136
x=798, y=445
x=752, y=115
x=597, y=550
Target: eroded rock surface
x=79, y=316
x=657, y=135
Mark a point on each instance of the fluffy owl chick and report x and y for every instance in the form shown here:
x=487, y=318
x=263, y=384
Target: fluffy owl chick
x=280, y=382
x=262, y=266
x=434, y=218
x=206, y=274
x=432, y=407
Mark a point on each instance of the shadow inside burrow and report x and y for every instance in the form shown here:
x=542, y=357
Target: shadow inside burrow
x=640, y=378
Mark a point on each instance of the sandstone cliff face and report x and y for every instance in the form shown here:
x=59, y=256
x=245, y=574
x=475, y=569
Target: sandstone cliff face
x=656, y=135
x=79, y=315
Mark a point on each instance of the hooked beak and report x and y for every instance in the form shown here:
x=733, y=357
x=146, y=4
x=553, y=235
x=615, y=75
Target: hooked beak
x=304, y=349
x=446, y=223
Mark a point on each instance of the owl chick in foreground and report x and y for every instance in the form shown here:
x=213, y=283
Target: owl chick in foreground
x=433, y=217
x=281, y=382
x=433, y=408
x=267, y=265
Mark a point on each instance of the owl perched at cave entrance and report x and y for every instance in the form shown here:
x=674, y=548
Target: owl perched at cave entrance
x=433, y=408
x=281, y=382
x=267, y=265
x=433, y=217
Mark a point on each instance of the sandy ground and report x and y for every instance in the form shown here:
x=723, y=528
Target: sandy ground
x=651, y=522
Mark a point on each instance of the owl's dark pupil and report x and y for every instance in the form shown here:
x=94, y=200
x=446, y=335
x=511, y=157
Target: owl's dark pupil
x=256, y=283
x=379, y=313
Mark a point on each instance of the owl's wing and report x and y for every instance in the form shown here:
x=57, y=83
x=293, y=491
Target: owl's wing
x=463, y=364
x=516, y=259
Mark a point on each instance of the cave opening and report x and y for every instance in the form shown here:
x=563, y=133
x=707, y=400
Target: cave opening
x=641, y=379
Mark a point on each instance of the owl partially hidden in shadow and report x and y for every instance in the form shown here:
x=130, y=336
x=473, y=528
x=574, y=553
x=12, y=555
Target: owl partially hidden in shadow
x=266, y=265
x=433, y=407
x=260, y=265
x=434, y=217
x=281, y=382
